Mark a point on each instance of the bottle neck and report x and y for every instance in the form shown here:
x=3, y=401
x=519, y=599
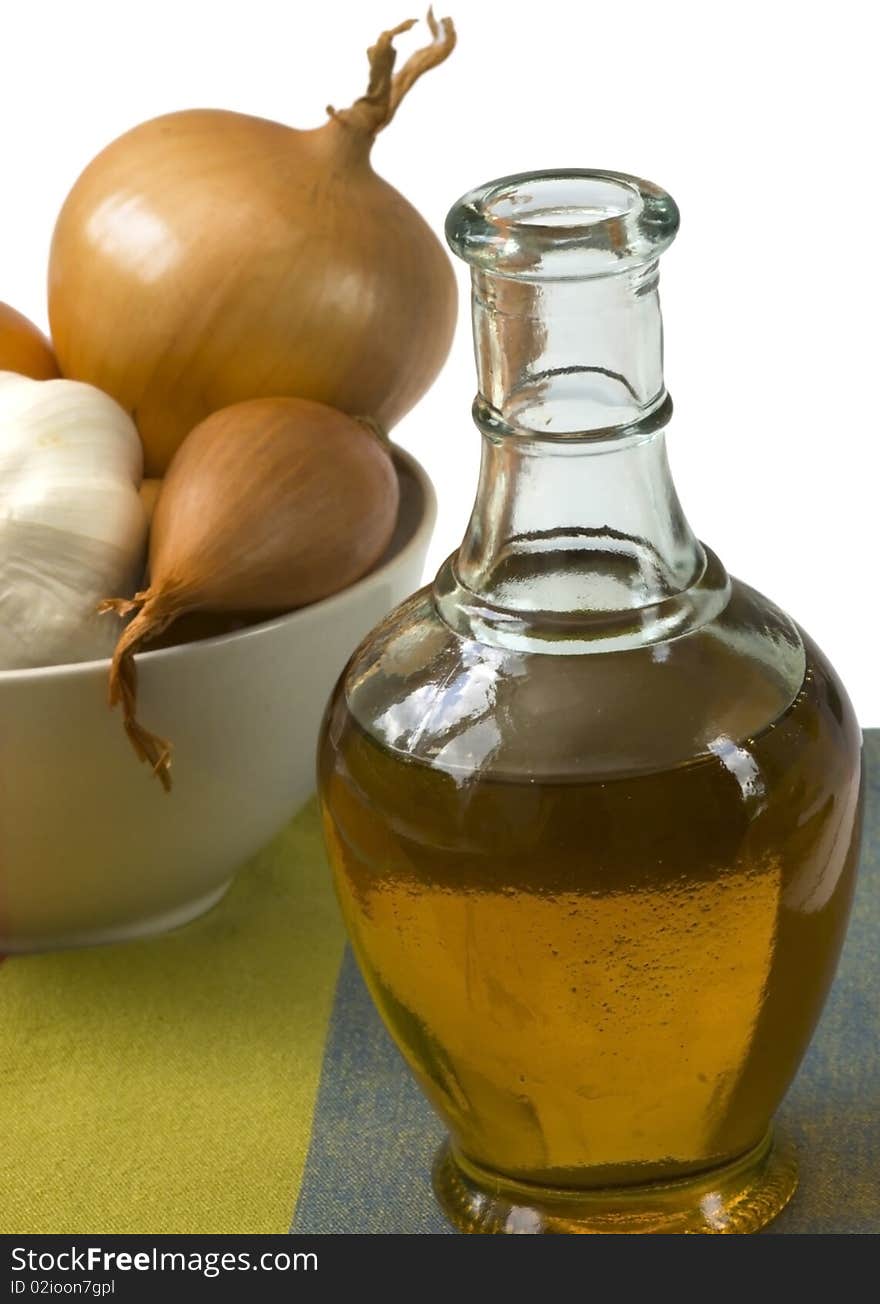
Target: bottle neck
x=577, y=536
x=573, y=357
x=577, y=527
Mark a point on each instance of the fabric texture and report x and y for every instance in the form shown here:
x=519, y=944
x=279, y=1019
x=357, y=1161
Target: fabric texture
x=169, y=1085
x=223, y=1076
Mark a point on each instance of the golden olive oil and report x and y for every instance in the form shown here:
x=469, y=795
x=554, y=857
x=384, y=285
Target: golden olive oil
x=608, y=980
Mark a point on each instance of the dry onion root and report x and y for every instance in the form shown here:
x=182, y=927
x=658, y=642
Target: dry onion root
x=206, y=257
x=268, y=505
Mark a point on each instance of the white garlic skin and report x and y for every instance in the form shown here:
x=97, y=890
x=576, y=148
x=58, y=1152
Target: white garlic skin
x=73, y=529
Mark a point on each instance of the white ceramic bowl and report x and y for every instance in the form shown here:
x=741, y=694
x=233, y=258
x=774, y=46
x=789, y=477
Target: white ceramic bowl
x=91, y=849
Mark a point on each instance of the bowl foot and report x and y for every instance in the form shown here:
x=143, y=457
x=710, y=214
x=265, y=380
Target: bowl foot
x=127, y=932
x=740, y=1197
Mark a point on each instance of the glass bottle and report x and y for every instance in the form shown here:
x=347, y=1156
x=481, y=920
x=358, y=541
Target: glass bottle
x=592, y=806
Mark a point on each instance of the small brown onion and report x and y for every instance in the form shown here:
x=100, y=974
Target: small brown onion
x=267, y=505
x=23, y=348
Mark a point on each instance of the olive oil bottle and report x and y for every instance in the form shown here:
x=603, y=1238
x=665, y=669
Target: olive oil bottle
x=592, y=806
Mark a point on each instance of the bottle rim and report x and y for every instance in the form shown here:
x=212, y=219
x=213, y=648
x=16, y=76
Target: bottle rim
x=562, y=224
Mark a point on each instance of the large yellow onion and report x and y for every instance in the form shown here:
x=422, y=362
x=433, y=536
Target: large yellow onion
x=206, y=257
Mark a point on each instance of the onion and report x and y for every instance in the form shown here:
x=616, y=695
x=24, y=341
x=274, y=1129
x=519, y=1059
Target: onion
x=268, y=505
x=208, y=257
x=149, y=493
x=23, y=348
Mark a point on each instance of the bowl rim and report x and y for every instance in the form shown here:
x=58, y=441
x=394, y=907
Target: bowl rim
x=302, y=615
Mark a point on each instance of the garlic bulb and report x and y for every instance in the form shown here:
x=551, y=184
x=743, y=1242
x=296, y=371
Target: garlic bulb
x=72, y=526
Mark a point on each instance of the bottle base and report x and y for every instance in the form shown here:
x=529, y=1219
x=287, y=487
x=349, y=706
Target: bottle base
x=741, y=1197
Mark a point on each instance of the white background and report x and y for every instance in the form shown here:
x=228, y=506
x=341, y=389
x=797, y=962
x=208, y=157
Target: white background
x=760, y=118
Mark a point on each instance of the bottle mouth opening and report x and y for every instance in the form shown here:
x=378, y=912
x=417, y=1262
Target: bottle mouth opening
x=562, y=225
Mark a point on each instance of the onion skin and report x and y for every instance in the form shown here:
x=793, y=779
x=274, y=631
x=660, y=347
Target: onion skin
x=267, y=505
x=149, y=492
x=208, y=257
x=24, y=348
x=270, y=505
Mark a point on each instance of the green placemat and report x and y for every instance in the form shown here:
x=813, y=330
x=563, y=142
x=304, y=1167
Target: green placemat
x=169, y=1085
